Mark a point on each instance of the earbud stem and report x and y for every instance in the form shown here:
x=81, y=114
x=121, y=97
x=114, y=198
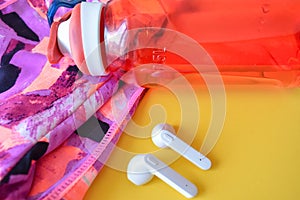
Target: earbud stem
x=171, y=177
x=185, y=150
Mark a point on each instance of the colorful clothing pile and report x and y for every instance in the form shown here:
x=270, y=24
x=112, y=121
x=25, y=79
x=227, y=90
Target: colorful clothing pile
x=57, y=125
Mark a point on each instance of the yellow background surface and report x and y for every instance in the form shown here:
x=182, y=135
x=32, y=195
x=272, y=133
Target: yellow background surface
x=255, y=157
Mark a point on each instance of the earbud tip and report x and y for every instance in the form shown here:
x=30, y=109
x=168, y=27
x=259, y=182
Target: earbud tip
x=163, y=126
x=137, y=172
x=205, y=163
x=156, y=136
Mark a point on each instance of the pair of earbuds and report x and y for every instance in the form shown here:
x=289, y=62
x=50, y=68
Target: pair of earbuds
x=143, y=167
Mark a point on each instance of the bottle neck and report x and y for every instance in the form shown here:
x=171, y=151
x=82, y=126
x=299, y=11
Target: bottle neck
x=134, y=35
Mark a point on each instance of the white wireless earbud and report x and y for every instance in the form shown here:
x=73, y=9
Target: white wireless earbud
x=141, y=169
x=162, y=136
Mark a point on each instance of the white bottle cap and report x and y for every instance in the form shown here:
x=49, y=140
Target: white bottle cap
x=90, y=30
x=63, y=38
x=90, y=16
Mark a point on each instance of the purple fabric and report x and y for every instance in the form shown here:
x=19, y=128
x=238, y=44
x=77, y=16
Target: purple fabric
x=33, y=128
x=50, y=116
x=32, y=19
x=30, y=70
x=18, y=187
x=87, y=145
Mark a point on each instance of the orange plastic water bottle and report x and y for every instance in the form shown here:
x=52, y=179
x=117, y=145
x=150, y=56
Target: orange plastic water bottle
x=242, y=39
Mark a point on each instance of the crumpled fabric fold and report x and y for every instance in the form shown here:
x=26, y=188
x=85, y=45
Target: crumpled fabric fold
x=57, y=126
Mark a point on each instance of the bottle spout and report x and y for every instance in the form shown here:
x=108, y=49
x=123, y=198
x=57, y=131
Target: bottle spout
x=78, y=37
x=63, y=39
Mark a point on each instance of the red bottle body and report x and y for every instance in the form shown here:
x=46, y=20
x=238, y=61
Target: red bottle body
x=240, y=38
x=247, y=38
